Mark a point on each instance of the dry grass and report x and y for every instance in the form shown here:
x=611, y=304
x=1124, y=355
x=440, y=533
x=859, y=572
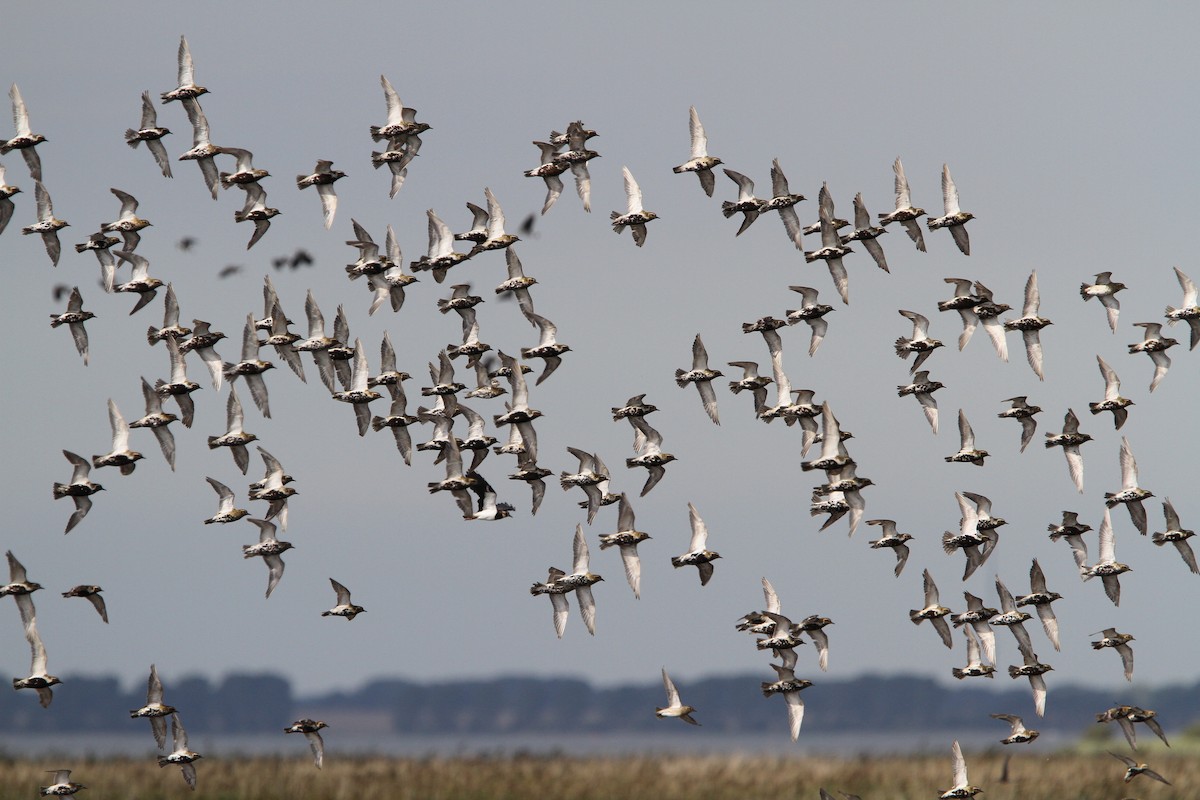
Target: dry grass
x=1031, y=777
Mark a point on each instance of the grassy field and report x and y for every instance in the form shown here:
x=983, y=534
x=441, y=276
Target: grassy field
x=1031, y=776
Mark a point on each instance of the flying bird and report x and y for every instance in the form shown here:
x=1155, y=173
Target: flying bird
x=702, y=377
x=906, y=214
x=698, y=554
x=675, y=706
x=148, y=131
x=1029, y=324
x=953, y=217
x=701, y=162
x=1105, y=290
x=635, y=216
x=73, y=318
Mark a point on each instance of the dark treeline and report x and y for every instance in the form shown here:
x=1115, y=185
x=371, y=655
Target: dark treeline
x=248, y=703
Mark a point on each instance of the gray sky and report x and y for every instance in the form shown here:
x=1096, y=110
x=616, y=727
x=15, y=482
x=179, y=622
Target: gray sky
x=1065, y=134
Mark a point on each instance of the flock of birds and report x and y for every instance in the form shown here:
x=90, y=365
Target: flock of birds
x=343, y=368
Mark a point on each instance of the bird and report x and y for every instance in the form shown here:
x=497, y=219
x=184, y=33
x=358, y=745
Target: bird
x=39, y=679
x=148, y=131
x=1119, y=642
x=1106, y=567
x=1019, y=733
x=557, y=591
x=988, y=312
x=344, y=607
x=140, y=282
x=1012, y=618
x=157, y=421
x=588, y=478
x=1188, y=311
x=401, y=120
x=635, y=216
x=235, y=437
x=581, y=579
x=73, y=318
x=400, y=152
x=933, y=611
x=964, y=301
x=701, y=163
x=358, y=394
x=969, y=537
x=226, y=512
x=968, y=452
x=7, y=207
x=1069, y=440
x=1130, y=494
x=812, y=313
x=752, y=382
x=497, y=238
x=675, y=706
x=128, y=223
x=79, y=489
x=155, y=710
x=962, y=787
x=906, y=214
x=21, y=589
x=577, y=155
x=789, y=686
x=273, y=488
x=920, y=342
x=1023, y=412
x=1041, y=598
x=953, y=218
x=1134, y=769
x=784, y=201
x=977, y=616
x=519, y=413
x=698, y=554
x=1105, y=290
x=255, y=210
x=244, y=172
x=518, y=285
x=317, y=343
x=923, y=388
x=62, y=786
x=549, y=169
x=187, y=88
x=746, y=204
x=866, y=233
x=1113, y=401
x=312, y=732
x=47, y=225
x=1177, y=535
x=1155, y=345
x=180, y=754
x=251, y=367
x=25, y=139
x=1034, y=670
x=626, y=539
x=1029, y=324
x=702, y=377
x=270, y=549
x=323, y=177
x=120, y=456
x=548, y=348
x=99, y=244
x=203, y=151
x=893, y=540
x=179, y=386
x=758, y=622
x=648, y=443
x=975, y=667
x=440, y=256
x=831, y=250
x=171, y=328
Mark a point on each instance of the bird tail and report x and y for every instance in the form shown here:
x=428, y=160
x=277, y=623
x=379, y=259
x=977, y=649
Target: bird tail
x=902, y=347
x=958, y=673
x=300, y=181
x=60, y=490
x=131, y=137
x=679, y=378
x=1013, y=672
x=152, y=335
x=946, y=543
x=727, y=209
x=376, y=159
x=1092, y=407
x=766, y=689
x=914, y=616
x=1171, y=310
x=163, y=761
x=676, y=562
x=1157, y=538
x=377, y=423
x=211, y=442
x=1083, y=292
x=375, y=133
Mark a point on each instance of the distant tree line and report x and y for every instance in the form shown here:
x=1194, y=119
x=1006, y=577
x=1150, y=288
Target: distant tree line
x=250, y=703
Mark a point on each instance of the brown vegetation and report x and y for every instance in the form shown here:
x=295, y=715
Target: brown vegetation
x=1031, y=776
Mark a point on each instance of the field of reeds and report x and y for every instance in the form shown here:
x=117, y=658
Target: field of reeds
x=1030, y=776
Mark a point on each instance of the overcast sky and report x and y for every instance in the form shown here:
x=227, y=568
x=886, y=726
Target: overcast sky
x=1071, y=139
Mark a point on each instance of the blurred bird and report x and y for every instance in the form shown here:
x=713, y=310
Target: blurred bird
x=675, y=706
x=73, y=318
x=1155, y=345
x=47, y=225
x=698, y=554
x=180, y=754
x=1105, y=290
x=311, y=730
